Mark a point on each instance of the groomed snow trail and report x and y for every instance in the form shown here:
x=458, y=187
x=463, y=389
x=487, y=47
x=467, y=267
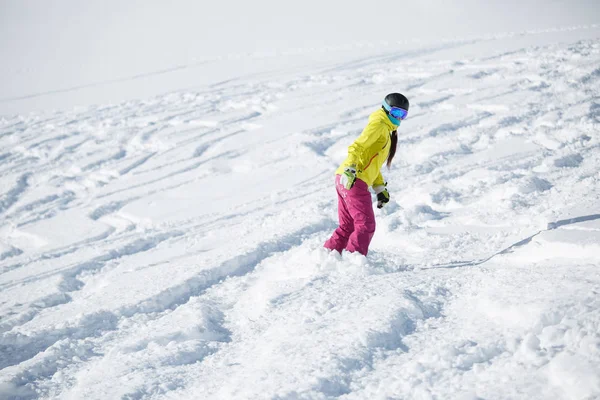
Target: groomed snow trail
x=170, y=248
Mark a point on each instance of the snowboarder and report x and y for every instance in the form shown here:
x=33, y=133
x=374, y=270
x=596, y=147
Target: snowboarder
x=375, y=147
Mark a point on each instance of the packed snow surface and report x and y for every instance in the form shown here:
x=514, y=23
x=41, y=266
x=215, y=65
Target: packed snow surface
x=170, y=247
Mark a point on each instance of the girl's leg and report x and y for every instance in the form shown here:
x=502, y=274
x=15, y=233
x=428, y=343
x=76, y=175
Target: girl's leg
x=339, y=238
x=359, y=205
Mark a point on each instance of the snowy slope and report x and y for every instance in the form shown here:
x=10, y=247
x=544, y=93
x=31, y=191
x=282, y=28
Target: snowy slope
x=170, y=247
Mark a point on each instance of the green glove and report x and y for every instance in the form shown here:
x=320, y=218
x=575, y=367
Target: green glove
x=383, y=196
x=348, y=177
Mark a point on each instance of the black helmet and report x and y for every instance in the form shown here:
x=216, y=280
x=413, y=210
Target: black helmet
x=397, y=100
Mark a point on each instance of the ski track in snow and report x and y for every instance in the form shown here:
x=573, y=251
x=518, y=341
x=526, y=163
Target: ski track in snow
x=170, y=247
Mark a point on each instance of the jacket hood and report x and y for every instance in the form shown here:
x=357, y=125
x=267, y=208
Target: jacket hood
x=381, y=117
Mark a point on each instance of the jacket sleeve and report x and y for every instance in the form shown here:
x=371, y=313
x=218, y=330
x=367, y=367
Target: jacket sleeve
x=379, y=180
x=362, y=151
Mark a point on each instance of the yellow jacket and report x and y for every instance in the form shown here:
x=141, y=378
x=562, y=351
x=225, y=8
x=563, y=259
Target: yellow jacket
x=370, y=151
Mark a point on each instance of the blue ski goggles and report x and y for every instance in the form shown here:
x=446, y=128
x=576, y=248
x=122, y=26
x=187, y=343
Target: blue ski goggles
x=396, y=112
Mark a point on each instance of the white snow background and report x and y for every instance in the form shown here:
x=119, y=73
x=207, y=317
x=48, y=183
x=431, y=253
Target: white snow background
x=167, y=183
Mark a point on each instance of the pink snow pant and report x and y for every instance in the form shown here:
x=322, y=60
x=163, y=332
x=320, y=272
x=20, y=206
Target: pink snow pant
x=357, y=220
